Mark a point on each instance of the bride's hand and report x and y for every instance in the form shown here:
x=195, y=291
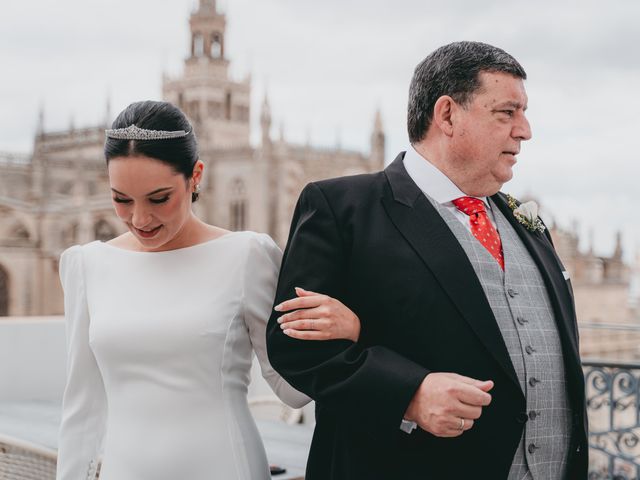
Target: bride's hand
x=317, y=317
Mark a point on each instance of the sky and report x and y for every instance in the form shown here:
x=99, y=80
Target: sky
x=327, y=66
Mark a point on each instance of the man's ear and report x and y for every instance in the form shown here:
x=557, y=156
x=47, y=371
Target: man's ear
x=443, y=114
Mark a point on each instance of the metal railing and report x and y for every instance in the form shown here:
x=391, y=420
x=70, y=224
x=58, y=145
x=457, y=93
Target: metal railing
x=612, y=391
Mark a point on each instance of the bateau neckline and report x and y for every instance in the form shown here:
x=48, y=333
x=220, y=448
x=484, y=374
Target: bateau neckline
x=182, y=249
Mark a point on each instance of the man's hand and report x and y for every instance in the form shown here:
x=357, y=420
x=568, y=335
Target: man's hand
x=447, y=404
x=318, y=317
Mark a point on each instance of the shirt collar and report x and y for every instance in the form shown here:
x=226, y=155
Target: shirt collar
x=430, y=180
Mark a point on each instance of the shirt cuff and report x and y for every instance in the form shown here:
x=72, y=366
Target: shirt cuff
x=407, y=426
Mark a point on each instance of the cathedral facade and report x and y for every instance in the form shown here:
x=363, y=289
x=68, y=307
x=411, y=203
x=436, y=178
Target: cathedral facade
x=58, y=196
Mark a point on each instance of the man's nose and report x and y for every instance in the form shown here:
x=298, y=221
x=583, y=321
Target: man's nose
x=522, y=129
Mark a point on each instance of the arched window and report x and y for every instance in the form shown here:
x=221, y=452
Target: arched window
x=194, y=110
x=198, y=45
x=20, y=233
x=69, y=236
x=103, y=231
x=216, y=47
x=65, y=187
x=227, y=105
x=214, y=109
x=238, y=206
x=4, y=292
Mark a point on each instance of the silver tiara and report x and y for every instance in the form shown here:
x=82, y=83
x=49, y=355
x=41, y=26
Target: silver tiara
x=134, y=133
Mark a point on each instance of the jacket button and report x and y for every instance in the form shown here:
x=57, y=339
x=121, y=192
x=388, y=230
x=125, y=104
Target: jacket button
x=521, y=320
x=529, y=349
x=533, y=415
x=532, y=448
x=512, y=293
x=533, y=381
x=522, y=417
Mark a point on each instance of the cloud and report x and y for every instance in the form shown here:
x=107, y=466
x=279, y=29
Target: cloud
x=328, y=65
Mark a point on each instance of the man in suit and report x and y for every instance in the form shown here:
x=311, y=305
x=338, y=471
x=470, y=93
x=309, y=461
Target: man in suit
x=468, y=324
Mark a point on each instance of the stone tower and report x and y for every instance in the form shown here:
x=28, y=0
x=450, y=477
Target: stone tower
x=218, y=107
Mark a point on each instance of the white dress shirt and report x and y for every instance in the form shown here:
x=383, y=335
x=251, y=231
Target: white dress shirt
x=438, y=186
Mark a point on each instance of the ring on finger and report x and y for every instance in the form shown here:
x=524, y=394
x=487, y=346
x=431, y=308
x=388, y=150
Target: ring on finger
x=461, y=427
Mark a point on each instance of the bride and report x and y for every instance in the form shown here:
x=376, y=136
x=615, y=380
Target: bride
x=162, y=322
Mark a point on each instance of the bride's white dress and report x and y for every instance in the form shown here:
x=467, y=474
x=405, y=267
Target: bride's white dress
x=160, y=348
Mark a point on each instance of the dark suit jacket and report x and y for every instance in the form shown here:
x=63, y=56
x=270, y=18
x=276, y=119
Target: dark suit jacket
x=376, y=243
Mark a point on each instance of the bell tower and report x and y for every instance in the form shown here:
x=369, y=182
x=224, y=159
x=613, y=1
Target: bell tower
x=207, y=32
x=217, y=106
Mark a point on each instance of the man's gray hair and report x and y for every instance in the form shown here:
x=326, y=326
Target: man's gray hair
x=452, y=70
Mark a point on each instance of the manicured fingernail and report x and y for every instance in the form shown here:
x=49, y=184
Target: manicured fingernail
x=286, y=332
x=279, y=319
x=278, y=308
x=282, y=326
x=298, y=288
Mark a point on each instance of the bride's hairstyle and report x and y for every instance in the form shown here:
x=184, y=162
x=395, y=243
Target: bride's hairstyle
x=163, y=133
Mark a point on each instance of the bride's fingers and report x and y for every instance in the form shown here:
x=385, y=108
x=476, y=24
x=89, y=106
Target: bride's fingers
x=301, y=292
x=300, y=302
x=308, y=334
x=316, y=324
x=305, y=313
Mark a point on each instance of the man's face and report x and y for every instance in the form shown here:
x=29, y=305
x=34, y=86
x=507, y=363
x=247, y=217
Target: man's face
x=487, y=134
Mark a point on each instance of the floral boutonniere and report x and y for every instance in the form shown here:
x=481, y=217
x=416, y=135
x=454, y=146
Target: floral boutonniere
x=527, y=214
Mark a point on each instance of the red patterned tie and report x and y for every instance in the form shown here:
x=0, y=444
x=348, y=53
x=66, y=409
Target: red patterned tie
x=481, y=226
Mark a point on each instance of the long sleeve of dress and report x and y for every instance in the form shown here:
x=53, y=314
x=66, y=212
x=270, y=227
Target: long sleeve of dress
x=84, y=401
x=261, y=277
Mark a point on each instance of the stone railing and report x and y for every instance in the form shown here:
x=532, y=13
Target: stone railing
x=8, y=158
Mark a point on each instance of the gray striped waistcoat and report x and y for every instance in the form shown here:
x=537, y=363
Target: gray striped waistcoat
x=521, y=306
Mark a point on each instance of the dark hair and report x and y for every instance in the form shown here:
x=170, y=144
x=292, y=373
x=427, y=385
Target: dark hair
x=180, y=153
x=452, y=70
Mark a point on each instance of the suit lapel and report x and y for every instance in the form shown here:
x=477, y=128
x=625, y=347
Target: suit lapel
x=428, y=234
x=550, y=268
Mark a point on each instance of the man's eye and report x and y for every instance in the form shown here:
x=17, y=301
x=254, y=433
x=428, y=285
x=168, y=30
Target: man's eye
x=508, y=112
x=121, y=200
x=159, y=200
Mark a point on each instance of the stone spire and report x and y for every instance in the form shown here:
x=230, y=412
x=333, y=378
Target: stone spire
x=617, y=253
x=107, y=112
x=265, y=121
x=308, y=137
x=377, y=141
x=377, y=122
x=40, y=127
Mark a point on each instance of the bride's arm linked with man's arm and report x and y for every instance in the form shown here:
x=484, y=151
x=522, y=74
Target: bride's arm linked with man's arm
x=329, y=318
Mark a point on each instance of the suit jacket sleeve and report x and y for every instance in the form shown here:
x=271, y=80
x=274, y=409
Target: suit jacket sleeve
x=84, y=400
x=371, y=383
